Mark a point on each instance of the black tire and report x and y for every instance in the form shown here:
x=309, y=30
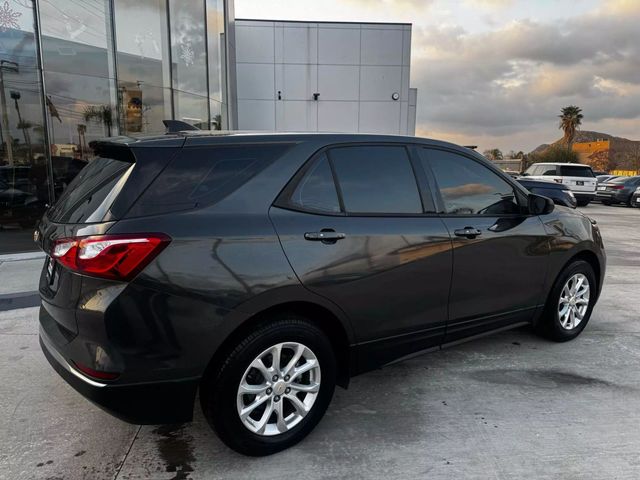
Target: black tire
x=218, y=391
x=583, y=203
x=549, y=324
x=607, y=202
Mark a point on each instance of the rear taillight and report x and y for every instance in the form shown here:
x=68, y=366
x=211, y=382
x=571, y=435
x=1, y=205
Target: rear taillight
x=617, y=187
x=116, y=257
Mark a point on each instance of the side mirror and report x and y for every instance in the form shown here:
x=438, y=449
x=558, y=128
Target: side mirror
x=539, y=205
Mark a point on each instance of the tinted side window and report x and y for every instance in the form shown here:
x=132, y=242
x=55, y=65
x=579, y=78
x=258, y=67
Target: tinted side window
x=376, y=179
x=317, y=190
x=204, y=175
x=577, y=171
x=549, y=171
x=467, y=187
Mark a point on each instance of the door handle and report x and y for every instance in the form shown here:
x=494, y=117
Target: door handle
x=327, y=236
x=469, y=232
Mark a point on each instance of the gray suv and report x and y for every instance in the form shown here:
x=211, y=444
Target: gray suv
x=263, y=270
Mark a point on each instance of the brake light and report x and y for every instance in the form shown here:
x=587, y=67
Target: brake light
x=116, y=257
x=617, y=187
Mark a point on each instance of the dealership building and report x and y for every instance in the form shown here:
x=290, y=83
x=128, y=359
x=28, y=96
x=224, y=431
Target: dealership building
x=73, y=71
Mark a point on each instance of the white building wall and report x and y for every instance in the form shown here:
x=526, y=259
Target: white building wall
x=355, y=69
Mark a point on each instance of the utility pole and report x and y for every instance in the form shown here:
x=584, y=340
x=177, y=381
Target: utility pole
x=10, y=67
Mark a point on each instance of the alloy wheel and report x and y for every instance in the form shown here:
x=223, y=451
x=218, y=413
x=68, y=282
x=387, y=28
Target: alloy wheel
x=574, y=301
x=278, y=389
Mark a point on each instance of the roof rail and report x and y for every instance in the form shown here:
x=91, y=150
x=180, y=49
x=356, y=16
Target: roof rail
x=174, y=126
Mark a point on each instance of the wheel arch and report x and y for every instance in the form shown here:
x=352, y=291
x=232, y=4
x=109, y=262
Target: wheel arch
x=318, y=314
x=592, y=259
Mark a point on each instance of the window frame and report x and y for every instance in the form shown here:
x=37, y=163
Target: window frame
x=427, y=200
x=519, y=192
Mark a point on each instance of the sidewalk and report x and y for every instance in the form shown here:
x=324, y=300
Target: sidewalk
x=19, y=276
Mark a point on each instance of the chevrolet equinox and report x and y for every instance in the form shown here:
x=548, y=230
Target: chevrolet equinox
x=261, y=270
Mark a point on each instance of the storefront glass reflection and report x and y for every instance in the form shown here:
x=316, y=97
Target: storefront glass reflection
x=24, y=186
x=78, y=73
x=110, y=67
x=144, y=77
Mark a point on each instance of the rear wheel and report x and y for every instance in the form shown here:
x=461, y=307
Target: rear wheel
x=570, y=303
x=273, y=388
x=606, y=202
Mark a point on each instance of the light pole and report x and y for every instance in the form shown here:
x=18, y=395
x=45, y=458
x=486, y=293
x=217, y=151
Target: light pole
x=10, y=67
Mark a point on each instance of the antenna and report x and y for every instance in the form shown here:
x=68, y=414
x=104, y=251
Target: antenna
x=175, y=126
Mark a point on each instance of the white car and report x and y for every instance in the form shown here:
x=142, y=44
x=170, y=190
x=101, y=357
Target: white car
x=579, y=178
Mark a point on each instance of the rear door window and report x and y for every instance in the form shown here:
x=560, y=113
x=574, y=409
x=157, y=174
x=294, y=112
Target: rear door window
x=576, y=171
x=376, y=179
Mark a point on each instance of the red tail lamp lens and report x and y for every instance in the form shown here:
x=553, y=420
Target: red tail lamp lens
x=116, y=257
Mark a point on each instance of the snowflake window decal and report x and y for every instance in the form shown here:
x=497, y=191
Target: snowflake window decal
x=8, y=17
x=187, y=54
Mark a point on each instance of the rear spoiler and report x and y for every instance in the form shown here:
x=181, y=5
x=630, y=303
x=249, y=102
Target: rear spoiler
x=114, y=147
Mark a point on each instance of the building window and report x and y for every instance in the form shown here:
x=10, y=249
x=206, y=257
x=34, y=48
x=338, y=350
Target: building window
x=79, y=82
x=144, y=73
x=24, y=182
x=189, y=61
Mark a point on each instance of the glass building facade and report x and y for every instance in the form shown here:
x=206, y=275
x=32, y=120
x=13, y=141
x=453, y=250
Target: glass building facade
x=72, y=71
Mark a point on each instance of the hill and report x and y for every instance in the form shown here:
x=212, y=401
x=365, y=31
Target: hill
x=623, y=154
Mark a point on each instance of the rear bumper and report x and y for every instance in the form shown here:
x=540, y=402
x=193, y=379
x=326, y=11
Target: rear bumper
x=584, y=195
x=144, y=403
x=613, y=196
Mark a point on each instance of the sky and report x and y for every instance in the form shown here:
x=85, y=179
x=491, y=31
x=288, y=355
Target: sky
x=495, y=73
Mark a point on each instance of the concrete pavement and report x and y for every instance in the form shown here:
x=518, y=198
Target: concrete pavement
x=507, y=406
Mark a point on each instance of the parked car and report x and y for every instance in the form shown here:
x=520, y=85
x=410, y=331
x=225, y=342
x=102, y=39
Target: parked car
x=618, y=190
x=261, y=270
x=579, y=178
x=559, y=193
x=605, y=178
x=635, y=198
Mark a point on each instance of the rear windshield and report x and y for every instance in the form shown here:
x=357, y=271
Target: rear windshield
x=577, y=171
x=91, y=192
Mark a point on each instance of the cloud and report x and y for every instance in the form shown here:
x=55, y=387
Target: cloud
x=516, y=78
x=489, y=4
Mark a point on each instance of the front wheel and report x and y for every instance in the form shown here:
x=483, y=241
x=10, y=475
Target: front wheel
x=273, y=387
x=570, y=303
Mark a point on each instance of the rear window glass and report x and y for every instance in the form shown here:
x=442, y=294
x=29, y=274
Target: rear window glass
x=577, y=171
x=203, y=176
x=91, y=192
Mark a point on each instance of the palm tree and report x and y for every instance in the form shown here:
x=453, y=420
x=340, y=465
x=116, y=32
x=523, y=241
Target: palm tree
x=570, y=121
x=101, y=114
